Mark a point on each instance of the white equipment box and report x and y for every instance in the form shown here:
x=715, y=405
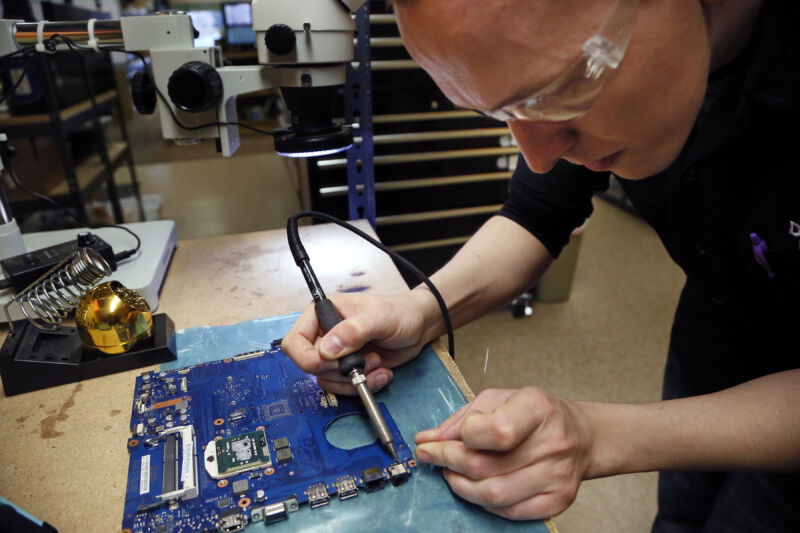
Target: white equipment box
x=143, y=272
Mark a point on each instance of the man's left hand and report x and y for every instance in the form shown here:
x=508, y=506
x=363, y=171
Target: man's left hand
x=518, y=453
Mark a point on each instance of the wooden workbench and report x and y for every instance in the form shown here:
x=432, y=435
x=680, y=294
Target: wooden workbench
x=63, y=457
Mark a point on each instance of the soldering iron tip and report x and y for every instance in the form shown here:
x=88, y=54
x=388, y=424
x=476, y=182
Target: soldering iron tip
x=393, y=452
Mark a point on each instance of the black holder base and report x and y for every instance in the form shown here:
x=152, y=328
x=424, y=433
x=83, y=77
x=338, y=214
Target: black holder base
x=33, y=359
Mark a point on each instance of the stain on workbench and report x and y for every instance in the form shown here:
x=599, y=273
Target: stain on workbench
x=241, y=260
x=357, y=288
x=114, y=412
x=49, y=423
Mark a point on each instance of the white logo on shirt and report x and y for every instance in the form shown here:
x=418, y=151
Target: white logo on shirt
x=794, y=230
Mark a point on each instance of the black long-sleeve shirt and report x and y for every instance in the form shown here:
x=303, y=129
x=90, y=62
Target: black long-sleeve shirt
x=737, y=174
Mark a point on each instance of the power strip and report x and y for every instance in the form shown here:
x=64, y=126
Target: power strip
x=24, y=269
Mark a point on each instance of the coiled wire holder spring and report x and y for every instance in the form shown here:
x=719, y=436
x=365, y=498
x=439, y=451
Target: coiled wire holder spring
x=39, y=353
x=46, y=301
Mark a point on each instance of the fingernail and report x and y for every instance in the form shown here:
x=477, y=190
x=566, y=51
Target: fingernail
x=422, y=455
x=331, y=346
x=372, y=363
x=381, y=380
x=423, y=435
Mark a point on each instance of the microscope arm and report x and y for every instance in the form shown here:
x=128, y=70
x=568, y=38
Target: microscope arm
x=300, y=45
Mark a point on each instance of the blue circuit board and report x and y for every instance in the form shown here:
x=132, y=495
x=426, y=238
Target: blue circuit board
x=221, y=444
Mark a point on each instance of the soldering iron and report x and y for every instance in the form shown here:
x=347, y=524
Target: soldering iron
x=352, y=365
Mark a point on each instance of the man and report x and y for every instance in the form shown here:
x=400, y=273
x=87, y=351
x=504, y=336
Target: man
x=696, y=120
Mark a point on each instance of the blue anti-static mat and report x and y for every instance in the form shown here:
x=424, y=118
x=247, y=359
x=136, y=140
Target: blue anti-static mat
x=421, y=395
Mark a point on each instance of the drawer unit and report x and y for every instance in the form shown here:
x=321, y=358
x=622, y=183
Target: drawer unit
x=440, y=171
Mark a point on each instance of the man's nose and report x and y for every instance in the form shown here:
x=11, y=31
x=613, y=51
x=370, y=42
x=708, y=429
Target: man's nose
x=542, y=143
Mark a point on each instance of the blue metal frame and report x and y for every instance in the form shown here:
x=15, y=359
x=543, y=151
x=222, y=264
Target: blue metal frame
x=358, y=108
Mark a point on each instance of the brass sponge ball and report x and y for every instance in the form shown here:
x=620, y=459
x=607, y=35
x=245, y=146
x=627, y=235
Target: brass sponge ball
x=112, y=318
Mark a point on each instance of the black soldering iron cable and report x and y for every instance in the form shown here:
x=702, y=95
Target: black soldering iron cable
x=301, y=258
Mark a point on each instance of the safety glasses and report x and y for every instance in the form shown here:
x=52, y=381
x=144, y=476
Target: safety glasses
x=573, y=93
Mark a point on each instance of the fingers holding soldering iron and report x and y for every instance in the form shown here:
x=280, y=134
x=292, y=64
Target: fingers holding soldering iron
x=300, y=344
x=377, y=378
x=366, y=319
x=386, y=332
x=364, y=323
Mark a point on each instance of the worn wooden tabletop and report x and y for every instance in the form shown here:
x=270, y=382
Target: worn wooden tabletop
x=63, y=456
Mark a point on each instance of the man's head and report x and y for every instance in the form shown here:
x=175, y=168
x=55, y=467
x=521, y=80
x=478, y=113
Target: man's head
x=486, y=54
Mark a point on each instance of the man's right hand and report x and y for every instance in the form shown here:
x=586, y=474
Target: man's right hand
x=390, y=329
x=495, y=266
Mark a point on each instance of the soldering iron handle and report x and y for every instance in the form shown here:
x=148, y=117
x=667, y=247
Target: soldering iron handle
x=328, y=317
x=327, y=314
x=295, y=246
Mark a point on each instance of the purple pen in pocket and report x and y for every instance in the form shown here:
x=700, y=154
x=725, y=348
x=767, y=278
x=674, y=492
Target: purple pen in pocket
x=759, y=250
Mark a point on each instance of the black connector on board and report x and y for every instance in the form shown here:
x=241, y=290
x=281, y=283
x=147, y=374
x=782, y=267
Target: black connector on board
x=373, y=479
x=22, y=270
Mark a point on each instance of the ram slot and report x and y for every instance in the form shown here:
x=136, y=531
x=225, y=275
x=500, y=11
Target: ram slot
x=180, y=464
x=169, y=474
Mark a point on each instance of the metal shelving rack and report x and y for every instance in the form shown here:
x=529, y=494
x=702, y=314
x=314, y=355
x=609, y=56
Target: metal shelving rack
x=83, y=180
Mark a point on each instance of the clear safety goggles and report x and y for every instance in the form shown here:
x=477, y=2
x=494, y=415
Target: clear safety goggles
x=573, y=93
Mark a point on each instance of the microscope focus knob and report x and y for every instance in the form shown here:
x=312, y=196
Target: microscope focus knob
x=195, y=86
x=143, y=93
x=280, y=39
